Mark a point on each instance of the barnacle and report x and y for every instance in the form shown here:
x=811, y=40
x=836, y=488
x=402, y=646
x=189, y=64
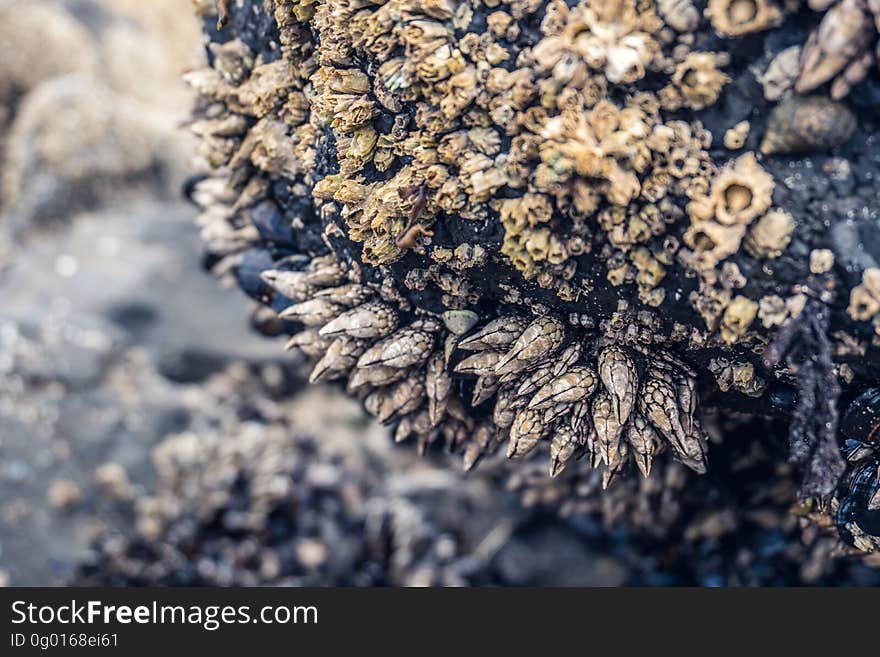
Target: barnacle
x=738, y=17
x=769, y=236
x=507, y=227
x=864, y=299
x=840, y=48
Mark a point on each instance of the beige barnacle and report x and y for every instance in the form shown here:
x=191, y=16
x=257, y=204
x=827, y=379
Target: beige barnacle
x=438, y=384
x=566, y=358
x=696, y=83
x=864, y=299
x=314, y=312
x=821, y=261
x=737, y=318
x=770, y=235
x=483, y=440
x=325, y=271
x=341, y=356
x=617, y=463
x=407, y=347
x=712, y=242
x=376, y=376
x=657, y=403
x=526, y=431
x=781, y=73
x=371, y=320
x=686, y=389
x=498, y=334
x=479, y=364
x=735, y=137
x=621, y=380
x=484, y=387
x=680, y=15
x=739, y=17
x=535, y=380
x=405, y=397
x=579, y=419
x=608, y=428
x=310, y=342
x=644, y=441
x=506, y=406
x=578, y=383
x=741, y=192
x=540, y=340
x=836, y=46
x=350, y=295
x=292, y=284
x=562, y=447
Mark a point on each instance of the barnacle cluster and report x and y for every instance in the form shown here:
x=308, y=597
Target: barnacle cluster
x=270, y=508
x=843, y=48
x=507, y=223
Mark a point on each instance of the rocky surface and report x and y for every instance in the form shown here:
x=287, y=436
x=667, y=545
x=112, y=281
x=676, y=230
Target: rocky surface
x=147, y=436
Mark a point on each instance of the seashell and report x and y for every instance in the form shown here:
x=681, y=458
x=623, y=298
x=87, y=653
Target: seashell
x=460, y=322
x=535, y=380
x=325, y=271
x=506, y=407
x=807, y=124
x=618, y=460
x=566, y=358
x=405, y=397
x=861, y=420
x=858, y=517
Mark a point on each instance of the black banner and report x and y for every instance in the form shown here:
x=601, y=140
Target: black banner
x=141, y=621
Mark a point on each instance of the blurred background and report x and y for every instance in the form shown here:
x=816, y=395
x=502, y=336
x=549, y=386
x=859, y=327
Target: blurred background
x=107, y=323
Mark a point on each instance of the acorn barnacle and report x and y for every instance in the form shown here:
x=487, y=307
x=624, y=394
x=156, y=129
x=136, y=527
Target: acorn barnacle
x=509, y=230
x=738, y=17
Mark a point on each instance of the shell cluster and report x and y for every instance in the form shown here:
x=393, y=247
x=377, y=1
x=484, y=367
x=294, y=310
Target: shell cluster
x=506, y=223
x=546, y=384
